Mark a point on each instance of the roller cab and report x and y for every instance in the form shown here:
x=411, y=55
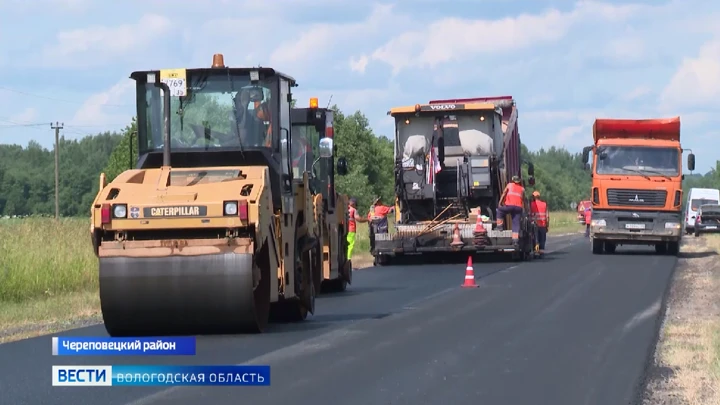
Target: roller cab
x=214, y=229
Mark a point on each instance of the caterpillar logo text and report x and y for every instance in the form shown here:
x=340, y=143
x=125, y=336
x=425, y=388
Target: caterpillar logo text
x=180, y=211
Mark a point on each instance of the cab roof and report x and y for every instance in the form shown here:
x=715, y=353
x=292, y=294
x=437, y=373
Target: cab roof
x=444, y=108
x=264, y=72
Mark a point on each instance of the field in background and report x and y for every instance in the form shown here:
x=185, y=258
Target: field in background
x=47, y=267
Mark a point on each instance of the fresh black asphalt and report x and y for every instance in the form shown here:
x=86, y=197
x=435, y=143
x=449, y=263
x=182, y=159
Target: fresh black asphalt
x=572, y=328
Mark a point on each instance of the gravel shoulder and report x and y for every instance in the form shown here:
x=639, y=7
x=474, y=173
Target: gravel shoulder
x=686, y=364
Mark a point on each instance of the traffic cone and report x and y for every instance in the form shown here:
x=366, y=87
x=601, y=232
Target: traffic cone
x=457, y=240
x=479, y=227
x=469, y=275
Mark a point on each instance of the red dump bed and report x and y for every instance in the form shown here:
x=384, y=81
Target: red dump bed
x=660, y=128
x=511, y=141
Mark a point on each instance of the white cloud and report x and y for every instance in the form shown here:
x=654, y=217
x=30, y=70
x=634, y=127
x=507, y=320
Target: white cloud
x=697, y=81
x=456, y=39
x=97, y=45
x=636, y=93
x=358, y=64
x=322, y=39
x=626, y=49
x=27, y=116
x=98, y=109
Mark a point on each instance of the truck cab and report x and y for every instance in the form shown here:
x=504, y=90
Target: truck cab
x=636, y=189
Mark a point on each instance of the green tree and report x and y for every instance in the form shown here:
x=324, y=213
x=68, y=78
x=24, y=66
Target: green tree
x=120, y=159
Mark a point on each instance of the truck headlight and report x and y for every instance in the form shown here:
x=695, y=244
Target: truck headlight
x=231, y=208
x=598, y=222
x=120, y=211
x=672, y=225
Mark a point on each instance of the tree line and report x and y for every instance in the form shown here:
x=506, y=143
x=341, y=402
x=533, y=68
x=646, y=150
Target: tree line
x=27, y=179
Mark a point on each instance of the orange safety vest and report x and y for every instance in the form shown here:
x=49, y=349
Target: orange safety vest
x=514, y=195
x=262, y=112
x=539, y=212
x=352, y=227
x=588, y=217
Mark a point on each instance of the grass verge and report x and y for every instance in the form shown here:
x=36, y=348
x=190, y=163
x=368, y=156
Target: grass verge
x=687, y=358
x=49, y=278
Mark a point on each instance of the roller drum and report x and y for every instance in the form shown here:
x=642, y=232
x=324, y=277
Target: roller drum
x=182, y=295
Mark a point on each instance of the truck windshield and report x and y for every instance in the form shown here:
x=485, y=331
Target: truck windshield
x=637, y=161
x=220, y=110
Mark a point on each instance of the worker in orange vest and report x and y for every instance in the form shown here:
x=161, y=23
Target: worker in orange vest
x=541, y=216
x=353, y=219
x=260, y=115
x=512, y=201
x=588, y=219
x=377, y=216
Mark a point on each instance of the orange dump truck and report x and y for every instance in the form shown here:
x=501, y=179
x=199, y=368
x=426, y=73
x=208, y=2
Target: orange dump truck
x=636, y=184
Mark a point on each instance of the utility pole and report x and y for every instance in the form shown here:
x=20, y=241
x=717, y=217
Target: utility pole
x=57, y=127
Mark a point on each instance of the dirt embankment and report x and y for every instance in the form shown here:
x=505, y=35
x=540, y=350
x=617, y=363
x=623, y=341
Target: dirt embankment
x=686, y=368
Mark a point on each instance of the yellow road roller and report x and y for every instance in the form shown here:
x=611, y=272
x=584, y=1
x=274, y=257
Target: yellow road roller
x=228, y=220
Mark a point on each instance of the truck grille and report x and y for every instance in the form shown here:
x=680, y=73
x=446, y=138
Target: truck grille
x=636, y=198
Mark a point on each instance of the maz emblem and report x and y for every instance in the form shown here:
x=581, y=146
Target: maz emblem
x=635, y=215
x=636, y=199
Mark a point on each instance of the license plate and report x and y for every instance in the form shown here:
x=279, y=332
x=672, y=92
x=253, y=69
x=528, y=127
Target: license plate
x=634, y=226
x=711, y=227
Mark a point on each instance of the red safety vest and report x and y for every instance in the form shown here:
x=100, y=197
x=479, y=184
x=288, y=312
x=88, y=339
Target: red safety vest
x=588, y=217
x=538, y=210
x=352, y=227
x=514, y=195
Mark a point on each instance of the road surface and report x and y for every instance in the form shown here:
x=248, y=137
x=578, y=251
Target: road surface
x=570, y=329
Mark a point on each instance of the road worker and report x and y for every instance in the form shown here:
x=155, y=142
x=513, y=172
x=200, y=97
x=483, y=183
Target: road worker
x=511, y=202
x=353, y=219
x=251, y=125
x=588, y=219
x=378, y=219
x=301, y=152
x=541, y=217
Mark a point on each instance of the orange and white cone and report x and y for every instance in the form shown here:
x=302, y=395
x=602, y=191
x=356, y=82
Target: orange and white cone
x=469, y=275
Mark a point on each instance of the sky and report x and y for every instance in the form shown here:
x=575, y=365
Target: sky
x=566, y=63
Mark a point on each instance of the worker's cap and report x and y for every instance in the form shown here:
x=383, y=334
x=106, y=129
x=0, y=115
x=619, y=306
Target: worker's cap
x=536, y=193
x=353, y=200
x=516, y=179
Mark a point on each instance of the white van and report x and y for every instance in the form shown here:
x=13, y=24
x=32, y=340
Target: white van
x=696, y=198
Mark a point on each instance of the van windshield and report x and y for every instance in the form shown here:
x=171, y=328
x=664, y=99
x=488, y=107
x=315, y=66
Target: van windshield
x=697, y=203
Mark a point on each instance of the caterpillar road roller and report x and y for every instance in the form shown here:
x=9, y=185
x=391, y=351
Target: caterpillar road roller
x=217, y=229
x=313, y=150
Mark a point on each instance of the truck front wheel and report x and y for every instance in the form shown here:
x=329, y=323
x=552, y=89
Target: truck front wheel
x=597, y=246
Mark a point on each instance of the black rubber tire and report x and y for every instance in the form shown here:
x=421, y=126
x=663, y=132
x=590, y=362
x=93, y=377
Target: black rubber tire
x=610, y=247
